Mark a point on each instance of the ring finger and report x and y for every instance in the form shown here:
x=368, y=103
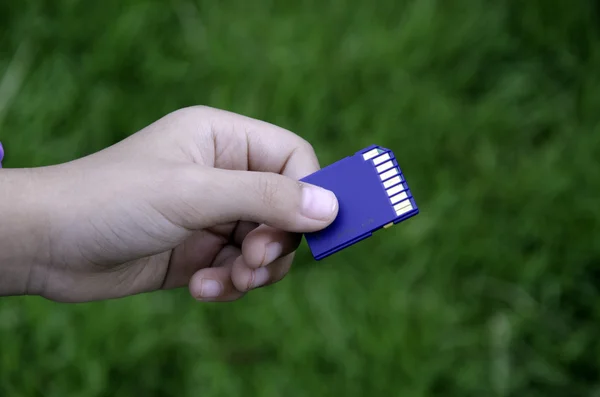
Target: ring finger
x=246, y=278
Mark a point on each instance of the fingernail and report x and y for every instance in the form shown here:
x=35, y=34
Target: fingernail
x=318, y=203
x=210, y=288
x=261, y=276
x=272, y=251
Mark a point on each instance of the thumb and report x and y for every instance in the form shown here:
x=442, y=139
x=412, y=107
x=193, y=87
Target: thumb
x=265, y=198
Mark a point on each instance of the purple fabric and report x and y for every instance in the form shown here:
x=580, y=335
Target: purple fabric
x=1, y=154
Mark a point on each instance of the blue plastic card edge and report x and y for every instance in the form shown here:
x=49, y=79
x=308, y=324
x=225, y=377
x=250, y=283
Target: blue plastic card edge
x=397, y=220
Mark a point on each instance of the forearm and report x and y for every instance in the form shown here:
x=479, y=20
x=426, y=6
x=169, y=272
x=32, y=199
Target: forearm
x=24, y=231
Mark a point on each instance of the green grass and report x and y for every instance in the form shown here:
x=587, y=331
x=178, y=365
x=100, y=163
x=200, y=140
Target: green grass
x=492, y=109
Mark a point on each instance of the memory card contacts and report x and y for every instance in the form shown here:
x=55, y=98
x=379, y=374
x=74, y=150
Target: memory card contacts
x=372, y=193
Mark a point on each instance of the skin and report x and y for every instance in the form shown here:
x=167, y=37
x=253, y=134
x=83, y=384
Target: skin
x=201, y=198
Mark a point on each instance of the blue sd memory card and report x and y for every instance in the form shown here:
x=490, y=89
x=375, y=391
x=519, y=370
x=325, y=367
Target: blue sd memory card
x=372, y=194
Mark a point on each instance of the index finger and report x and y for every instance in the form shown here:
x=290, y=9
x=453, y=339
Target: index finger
x=240, y=142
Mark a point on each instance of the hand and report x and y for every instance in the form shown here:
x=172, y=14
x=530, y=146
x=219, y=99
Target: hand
x=202, y=197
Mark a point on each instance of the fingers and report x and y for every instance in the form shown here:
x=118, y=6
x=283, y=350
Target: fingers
x=220, y=196
x=241, y=142
x=245, y=278
x=241, y=231
x=231, y=278
x=235, y=232
x=215, y=284
x=265, y=244
x=198, y=251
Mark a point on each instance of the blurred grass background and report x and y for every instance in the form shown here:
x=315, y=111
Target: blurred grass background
x=493, y=111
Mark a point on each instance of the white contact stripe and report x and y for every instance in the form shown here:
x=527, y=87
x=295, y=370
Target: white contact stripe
x=384, y=166
x=394, y=190
x=370, y=154
x=394, y=181
x=381, y=159
x=399, y=197
x=404, y=210
x=389, y=174
x=401, y=205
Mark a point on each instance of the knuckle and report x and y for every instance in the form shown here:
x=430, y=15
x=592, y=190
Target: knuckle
x=190, y=118
x=305, y=147
x=177, y=115
x=191, y=111
x=270, y=187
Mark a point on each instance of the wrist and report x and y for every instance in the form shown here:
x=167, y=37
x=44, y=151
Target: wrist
x=24, y=232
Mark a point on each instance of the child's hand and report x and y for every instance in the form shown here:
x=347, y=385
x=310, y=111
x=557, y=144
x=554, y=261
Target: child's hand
x=178, y=204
